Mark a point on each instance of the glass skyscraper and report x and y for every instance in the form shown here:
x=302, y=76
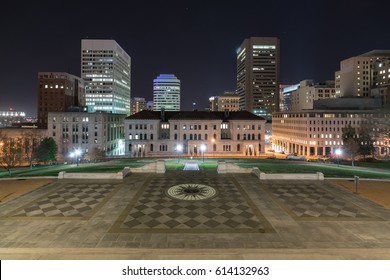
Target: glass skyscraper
x=166, y=93
x=105, y=68
x=258, y=75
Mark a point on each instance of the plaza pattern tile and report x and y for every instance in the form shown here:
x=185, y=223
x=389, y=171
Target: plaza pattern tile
x=311, y=200
x=153, y=210
x=67, y=201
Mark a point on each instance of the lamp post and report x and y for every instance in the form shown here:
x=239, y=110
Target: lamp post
x=76, y=154
x=338, y=153
x=203, y=149
x=213, y=140
x=179, y=148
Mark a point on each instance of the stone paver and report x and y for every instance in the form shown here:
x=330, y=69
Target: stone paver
x=140, y=218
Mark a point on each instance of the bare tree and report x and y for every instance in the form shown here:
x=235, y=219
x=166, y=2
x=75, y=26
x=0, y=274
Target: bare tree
x=351, y=143
x=31, y=141
x=11, y=152
x=95, y=154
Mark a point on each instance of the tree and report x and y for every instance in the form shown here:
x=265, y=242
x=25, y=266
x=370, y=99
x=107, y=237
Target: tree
x=95, y=154
x=47, y=150
x=351, y=143
x=366, y=140
x=31, y=142
x=11, y=152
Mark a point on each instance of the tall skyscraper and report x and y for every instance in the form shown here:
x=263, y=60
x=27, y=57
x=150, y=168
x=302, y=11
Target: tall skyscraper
x=57, y=92
x=166, y=93
x=258, y=75
x=106, y=70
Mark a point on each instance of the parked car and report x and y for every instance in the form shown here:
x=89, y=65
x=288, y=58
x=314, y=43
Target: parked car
x=295, y=157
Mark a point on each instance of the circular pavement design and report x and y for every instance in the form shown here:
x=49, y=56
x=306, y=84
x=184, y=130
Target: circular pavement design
x=191, y=192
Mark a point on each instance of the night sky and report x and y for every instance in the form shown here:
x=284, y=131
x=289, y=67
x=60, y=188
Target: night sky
x=195, y=40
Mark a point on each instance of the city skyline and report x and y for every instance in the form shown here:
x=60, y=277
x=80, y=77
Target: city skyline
x=197, y=43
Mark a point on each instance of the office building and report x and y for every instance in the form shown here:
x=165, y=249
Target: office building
x=166, y=93
x=105, y=68
x=318, y=132
x=285, y=99
x=138, y=104
x=86, y=131
x=355, y=77
x=194, y=133
x=381, y=82
x=228, y=101
x=308, y=91
x=258, y=75
x=57, y=92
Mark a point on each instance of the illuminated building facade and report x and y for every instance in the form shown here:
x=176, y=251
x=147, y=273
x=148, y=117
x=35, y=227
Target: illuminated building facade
x=355, y=77
x=138, y=104
x=57, y=92
x=166, y=93
x=197, y=133
x=258, y=75
x=319, y=132
x=304, y=96
x=86, y=131
x=8, y=118
x=228, y=101
x=105, y=68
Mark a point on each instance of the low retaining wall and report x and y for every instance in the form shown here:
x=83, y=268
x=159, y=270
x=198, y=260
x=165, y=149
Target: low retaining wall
x=287, y=176
x=229, y=167
x=153, y=167
x=102, y=176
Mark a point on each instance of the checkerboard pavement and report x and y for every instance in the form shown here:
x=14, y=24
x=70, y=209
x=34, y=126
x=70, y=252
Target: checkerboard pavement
x=308, y=199
x=229, y=211
x=70, y=200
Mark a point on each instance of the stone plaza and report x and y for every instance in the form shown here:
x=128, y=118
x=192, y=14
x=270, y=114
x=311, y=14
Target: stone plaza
x=193, y=215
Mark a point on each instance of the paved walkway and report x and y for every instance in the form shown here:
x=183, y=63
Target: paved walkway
x=191, y=166
x=193, y=215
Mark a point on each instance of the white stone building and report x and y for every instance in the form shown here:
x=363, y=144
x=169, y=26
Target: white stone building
x=86, y=131
x=152, y=133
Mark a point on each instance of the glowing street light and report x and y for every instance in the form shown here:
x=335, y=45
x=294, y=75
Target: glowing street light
x=203, y=149
x=338, y=153
x=179, y=148
x=76, y=154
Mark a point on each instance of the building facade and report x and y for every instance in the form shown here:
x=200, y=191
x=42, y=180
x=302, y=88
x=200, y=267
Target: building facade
x=304, y=96
x=57, y=91
x=86, y=131
x=106, y=70
x=319, y=132
x=166, y=93
x=381, y=82
x=355, y=77
x=194, y=133
x=285, y=99
x=138, y=104
x=8, y=118
x=258, y=75
x=228, y=101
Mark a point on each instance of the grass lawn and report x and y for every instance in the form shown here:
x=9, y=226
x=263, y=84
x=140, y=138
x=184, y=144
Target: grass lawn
x=328, y=170
x=265, y=165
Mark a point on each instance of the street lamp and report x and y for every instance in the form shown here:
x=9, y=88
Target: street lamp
x=203, y=149
x=76, y=154
x=213, y=140
x=338, y=153
x=179, y=148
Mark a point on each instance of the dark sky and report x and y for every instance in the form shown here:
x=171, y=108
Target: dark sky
x=195, y=40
